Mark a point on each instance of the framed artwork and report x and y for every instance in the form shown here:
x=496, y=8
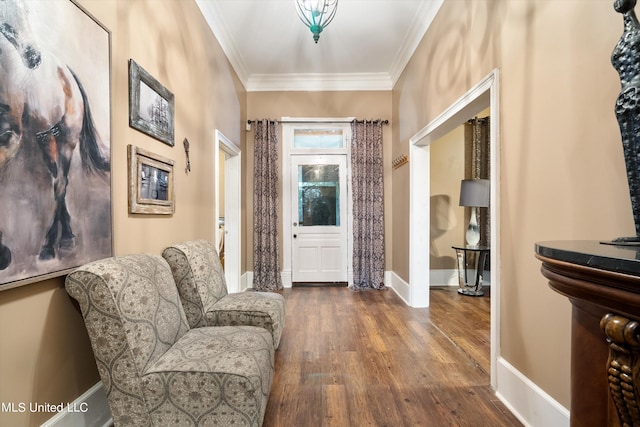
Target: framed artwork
x=151, y=183
x=151, y=106
x=55, y=121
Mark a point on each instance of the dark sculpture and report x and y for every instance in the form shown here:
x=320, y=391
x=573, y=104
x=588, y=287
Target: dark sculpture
x=626, y=60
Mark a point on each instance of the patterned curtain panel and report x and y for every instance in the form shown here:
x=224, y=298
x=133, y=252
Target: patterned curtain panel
x=477, y=153
x=368, y=205
x=266, y=259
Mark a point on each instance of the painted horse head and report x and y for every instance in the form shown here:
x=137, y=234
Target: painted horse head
x=12, y=101
x=17, y=56
x=14, y=26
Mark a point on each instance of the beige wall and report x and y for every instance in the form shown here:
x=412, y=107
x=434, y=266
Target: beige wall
x=45, y=355
x=448, y=225
x=275, y=105
x=562, y=168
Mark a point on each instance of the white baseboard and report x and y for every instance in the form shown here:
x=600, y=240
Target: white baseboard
x=287, y=279
x=443, y=277
x=400, y=287
x=449, y=277
x=245, y=281
x=528, y=402
x=437, y=278
x=90, y=409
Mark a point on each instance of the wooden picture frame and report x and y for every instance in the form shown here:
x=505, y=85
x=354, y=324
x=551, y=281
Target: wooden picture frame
x=151, y=183
x=151, y=105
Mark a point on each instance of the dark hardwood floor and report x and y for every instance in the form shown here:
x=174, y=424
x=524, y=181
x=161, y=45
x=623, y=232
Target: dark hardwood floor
x=364, y=358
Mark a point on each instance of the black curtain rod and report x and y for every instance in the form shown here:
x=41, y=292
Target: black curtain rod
x=384, y=122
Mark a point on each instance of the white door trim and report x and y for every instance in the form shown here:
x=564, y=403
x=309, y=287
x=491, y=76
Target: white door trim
x=232, y=204
x=485, y=93
x=287, y=151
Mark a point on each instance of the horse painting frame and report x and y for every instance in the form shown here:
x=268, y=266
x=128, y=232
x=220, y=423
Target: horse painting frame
x=55, y=140
x=151, y=182
x=151, y=105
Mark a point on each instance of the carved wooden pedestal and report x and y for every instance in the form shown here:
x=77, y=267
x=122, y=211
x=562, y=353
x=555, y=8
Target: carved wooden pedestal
x=602, y=283
x=622, y=365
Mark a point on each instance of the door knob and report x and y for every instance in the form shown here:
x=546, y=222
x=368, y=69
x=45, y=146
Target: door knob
x=295, y=235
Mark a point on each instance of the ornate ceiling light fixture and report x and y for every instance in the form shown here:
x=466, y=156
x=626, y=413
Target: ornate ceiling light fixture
x=316, y=14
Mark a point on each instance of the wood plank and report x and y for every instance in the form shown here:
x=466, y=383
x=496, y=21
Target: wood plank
x=336, y=405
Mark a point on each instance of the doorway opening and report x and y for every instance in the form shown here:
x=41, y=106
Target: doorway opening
x=483, y=95
x=228, y=175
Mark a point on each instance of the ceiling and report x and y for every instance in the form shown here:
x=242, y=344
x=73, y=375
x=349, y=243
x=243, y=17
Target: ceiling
x=365, y=47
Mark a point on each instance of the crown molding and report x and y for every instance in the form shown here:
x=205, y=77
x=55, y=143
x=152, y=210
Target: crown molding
x=417, y=30
x=320, y=82
x=209, y=10
x=316, y=82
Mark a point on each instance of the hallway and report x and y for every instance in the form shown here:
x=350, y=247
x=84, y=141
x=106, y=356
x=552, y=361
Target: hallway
x=350, y=358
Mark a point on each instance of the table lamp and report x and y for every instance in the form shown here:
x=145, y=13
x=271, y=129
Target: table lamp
x=475, y=194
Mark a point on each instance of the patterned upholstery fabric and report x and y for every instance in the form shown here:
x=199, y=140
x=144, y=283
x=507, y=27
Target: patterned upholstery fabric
x=203, y=290
x=155, y=370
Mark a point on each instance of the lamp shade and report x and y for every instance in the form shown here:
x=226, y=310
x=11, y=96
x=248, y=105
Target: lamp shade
x=474, y=192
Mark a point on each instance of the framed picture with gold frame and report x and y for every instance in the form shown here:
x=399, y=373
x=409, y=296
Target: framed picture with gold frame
x=151, y=183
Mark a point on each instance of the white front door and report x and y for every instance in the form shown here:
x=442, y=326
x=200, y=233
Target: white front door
x=319, y=214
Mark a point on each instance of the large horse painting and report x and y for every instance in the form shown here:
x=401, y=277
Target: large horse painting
x=55, y=183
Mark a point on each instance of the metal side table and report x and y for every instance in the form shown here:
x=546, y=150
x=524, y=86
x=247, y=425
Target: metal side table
x=480, y=254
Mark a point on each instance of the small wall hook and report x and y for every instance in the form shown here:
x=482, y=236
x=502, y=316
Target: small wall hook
x=402, y=159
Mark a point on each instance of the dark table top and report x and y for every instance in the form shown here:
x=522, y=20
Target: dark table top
x=471, y=248
x=593, y=253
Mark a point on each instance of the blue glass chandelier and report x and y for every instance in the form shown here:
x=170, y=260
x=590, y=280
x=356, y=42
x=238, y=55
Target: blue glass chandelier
x=316, y=14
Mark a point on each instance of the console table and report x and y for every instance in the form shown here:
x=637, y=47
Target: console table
x=602, y=283
x=480, y=253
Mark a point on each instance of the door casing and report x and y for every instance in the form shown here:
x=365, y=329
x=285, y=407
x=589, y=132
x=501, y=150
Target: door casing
x=486, y=93
x=232, y=204
x=287, y=151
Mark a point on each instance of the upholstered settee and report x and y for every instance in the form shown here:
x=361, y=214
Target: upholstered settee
x=155, y=369
x=203, y=290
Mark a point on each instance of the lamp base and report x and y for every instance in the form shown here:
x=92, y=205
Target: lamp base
x=472, y=235
x=471, y=292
